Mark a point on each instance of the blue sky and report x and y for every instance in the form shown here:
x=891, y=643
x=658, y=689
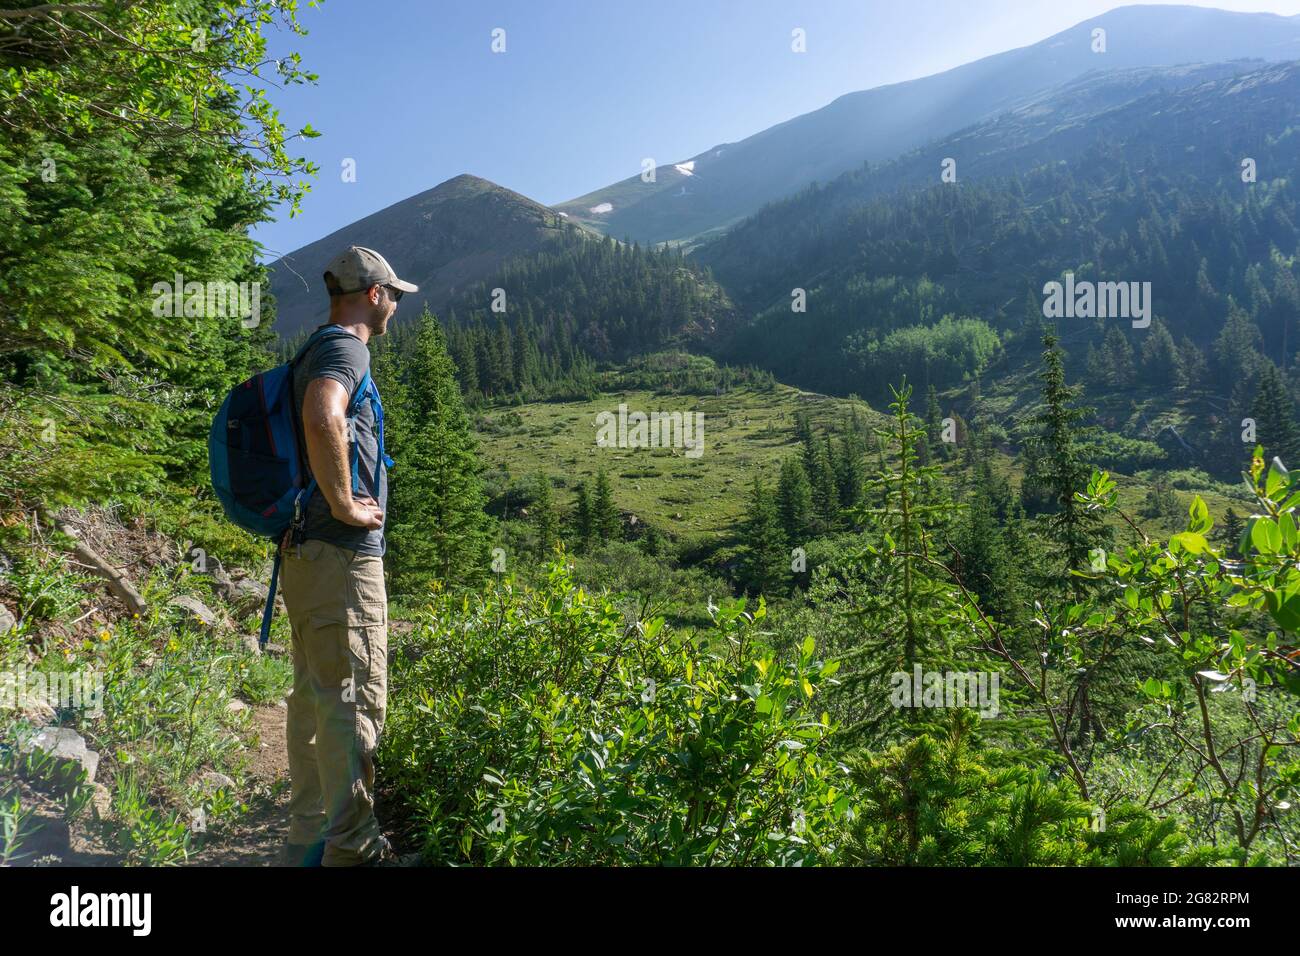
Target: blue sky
x=411, y=90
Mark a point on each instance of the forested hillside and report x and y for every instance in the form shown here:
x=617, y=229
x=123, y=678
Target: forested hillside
x=946, y=282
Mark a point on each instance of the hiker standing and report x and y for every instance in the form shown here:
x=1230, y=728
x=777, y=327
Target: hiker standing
x=333, y=575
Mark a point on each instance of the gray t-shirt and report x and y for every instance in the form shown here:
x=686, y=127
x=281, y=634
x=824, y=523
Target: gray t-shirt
x=344, y=358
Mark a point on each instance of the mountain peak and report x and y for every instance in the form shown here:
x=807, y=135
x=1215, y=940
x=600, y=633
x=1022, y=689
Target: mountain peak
x=442, y=239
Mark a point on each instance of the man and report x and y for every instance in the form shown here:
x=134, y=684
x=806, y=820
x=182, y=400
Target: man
x=333, y=582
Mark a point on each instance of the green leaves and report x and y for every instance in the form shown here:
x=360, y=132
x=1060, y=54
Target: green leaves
x=1265, y=535
x=1200, y=522
x=538, y=744
x=1191, y=542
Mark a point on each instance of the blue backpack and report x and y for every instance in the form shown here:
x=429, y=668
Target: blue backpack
x=257, y=460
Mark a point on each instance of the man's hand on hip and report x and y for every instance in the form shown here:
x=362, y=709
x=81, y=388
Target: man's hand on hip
x=361, y=512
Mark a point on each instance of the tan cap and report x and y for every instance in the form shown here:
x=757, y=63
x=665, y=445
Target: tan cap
x=358, y=268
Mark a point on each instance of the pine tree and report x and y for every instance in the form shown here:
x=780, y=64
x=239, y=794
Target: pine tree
x=849, y=473
x=1063, y=471
x=906, y=613
x=607, y=523
x=1274, y=412
x=934, y=425
x=1056, y=458
x=794, y=503
x=1161, y=363
x=652, y=542
x=437, y=525
x=544, y=518
x=766, y=564
x=825, y=491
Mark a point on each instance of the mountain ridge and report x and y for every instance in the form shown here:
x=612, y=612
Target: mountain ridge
x=729, y=181
x=443, y=239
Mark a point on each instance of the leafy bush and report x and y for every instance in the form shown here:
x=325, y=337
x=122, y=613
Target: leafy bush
x=537, y=726
x=1125, y=455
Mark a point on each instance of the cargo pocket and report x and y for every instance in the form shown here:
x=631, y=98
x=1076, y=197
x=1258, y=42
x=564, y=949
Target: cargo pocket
x=370, y=651
x=330, y=654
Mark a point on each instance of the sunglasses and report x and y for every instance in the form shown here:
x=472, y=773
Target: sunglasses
x=395, y=293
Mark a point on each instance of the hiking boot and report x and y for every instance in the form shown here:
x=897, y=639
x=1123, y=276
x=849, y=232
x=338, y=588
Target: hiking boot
x=302, y=854
x=387, y=856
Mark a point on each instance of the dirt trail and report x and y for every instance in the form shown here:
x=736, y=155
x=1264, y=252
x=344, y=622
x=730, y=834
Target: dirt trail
x=256, y=838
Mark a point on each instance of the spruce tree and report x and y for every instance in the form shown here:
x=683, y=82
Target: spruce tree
x=825, y=490
x=1274, y=412
x=544, y=517
x=906, y=612
x=1056, y=459
x=767, y=562
x=794, y=503
x=849, y=473
x=1117, y=360
x=1063, y=471
x=652, y=542
x=437, y=527
x=986, y=567
x=607, y=523
x=1161, y=363
x=584, y=517
x=934, y=426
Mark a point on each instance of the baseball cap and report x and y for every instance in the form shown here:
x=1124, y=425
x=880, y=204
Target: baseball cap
x=358, y=268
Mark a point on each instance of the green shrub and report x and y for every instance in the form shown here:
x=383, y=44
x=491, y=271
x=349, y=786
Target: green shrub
x=539, y=727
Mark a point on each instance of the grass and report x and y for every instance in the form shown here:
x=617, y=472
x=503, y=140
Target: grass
x=747, y=432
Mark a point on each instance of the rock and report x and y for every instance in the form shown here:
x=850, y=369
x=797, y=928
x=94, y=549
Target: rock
x=213, y=781
x=36, y=711
x=102, y=801
x=69, y=754
x=279, y=650
x=194, y=608
x=221, y=582
x=247, y=595
x=7, y=620
x=235, y=705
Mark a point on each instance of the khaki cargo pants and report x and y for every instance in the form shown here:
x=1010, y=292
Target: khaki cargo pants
x=339, y=613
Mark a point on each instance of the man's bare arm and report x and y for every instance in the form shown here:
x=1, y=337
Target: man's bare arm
x=325, y=424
